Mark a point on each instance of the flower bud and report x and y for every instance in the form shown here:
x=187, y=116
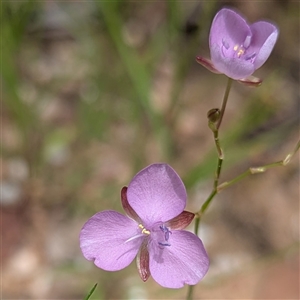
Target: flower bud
x=213, y=115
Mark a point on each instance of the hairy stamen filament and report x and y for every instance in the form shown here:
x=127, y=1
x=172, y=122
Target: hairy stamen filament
x=144, y=232
x=134, y=237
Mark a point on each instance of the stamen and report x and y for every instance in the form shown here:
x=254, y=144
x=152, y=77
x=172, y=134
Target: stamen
x=144, y=230
x=240, y=52
x=163, y=244
x=247, y=41
x=236, y=47
x=251, y=57
x=134, y=237
x=225, y=44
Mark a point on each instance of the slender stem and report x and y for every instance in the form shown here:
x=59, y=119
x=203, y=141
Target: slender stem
x=291, y=154
x=190, y=292
x=261, y=169
x=215, y=130
x=225, y=98
x=197, y=222
x=207, y=202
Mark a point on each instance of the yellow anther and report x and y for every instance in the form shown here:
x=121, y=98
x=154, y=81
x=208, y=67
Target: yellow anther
x=145, y=231
x=241, y=52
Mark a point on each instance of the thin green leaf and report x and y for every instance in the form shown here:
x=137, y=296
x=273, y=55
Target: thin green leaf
x=91, y=292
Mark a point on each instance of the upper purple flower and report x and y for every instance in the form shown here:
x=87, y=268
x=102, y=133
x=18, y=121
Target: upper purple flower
x=238, y=49
x=152, y=230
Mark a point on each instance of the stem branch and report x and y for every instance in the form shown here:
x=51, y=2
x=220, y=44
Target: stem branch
x=260, y=169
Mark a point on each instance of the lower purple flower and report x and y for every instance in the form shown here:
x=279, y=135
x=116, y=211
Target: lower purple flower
x=152, y=230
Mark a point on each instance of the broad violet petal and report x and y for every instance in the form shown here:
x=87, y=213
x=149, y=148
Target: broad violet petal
x=183, y=262
x=265, y=36
x=157, y=194
x=108, y=239
x=228, y=29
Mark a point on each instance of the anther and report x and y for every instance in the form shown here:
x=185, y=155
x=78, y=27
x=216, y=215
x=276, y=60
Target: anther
x=240, y=52
x=144, y=230
x=247, y=41
x=225, y=44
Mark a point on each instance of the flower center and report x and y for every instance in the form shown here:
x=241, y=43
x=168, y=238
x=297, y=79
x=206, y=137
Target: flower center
x=164, y=239
x=160, y=234
x=239, y=51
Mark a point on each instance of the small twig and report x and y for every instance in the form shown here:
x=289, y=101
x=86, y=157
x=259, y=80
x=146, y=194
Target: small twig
x=260, y=169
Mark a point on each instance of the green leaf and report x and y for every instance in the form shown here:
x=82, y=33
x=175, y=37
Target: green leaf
x=91, y=292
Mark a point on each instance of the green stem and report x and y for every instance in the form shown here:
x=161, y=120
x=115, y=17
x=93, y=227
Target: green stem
x=215, y=130
x=225, y=98
x=261, y=169
x=207, y=202
x=190, y=292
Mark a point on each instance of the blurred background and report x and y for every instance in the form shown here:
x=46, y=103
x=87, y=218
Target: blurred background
x=94, y=91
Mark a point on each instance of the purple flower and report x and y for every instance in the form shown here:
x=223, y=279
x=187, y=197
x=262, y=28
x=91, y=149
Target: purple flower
x=238, y=49
x=152, y=230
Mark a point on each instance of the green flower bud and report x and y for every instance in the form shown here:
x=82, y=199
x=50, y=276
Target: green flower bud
x=213, y=115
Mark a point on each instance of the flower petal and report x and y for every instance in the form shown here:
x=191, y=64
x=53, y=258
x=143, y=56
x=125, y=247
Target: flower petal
x=108, y=238
x=184, y=262
x=234, y=68
x=181, y=221
x=228, y=27
x=264, y=38
x=157, y=194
